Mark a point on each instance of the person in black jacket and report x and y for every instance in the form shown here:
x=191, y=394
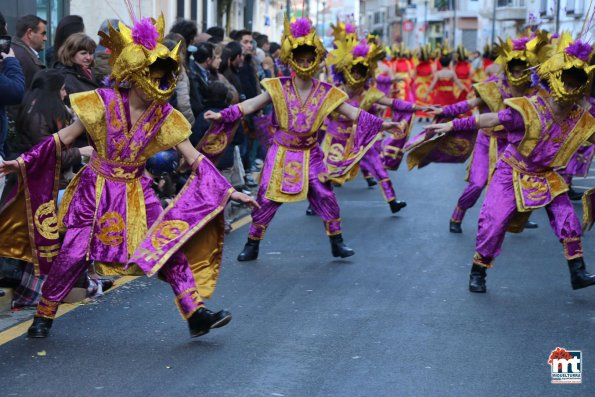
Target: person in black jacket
x=198, y=72
x=75, y=62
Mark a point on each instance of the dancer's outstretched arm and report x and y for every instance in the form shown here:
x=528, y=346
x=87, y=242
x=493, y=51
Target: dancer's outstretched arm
x=485, y=120
x=247, y=107
x=351, y=112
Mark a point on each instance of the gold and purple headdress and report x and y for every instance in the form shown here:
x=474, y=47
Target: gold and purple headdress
x=531, y=50
x=139, y=57
x=567, y=55
x=301, y=33
x=349, y=53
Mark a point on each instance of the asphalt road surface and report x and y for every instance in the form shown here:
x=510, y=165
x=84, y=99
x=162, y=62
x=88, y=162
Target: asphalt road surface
x=396, y=319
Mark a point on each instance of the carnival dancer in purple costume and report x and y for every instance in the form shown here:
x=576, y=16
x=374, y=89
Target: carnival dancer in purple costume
x=294, y=168
x=543, y=134
x=516, y=57
x=353, y=64
x=109, y=212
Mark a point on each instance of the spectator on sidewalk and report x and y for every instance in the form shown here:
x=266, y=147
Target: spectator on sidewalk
x=187, y=29
x=217, y=34
x=233, y=96
x=199, y=76
x=30, y=39
x=75, y=62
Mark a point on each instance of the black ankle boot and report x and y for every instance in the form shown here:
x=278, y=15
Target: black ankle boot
x=250, y=251
x=40, y=327
x=579, y=278
x=455, y=227
x=574, y=195
x=396, y=205
x=338, y=247
x=477, y=279
x=310, y=211
x=371, y=182
x=203, y=320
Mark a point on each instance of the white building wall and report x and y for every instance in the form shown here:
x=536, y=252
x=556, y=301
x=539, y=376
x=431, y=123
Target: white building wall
x=95, y=12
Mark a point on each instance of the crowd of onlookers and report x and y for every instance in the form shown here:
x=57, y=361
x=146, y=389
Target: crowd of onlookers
x=36, y=79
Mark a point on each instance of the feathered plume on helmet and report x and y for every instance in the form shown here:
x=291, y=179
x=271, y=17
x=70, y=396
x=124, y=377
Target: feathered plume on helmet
x=138, y=56
x=568, y=54
x=297, y=33
x=350, y=53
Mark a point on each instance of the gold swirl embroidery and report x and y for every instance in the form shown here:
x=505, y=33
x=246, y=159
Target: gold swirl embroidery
x=168, y=231
x=46, y=221
x=538, y=189
x=115, y=122
x=336, y=152
x=135, y=147
x=111, y=229
x=292, y=172
x=120, y=173
x=456, y=146
x=215, y=143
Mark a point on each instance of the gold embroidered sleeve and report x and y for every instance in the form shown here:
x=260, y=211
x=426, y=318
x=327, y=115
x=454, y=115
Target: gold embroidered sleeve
x=531, y=120
x=275, y=89
x=174, y=130
x=90, y=110
x=490, y=94
x=372, y=96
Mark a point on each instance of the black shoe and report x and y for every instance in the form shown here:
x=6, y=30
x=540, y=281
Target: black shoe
x=574, y=195
x=1, y=293
x=203, y=320
x=396, y=205
x=338, y=247
x=477, y=279
x=250, y=251
x=579, y=278
x=310, y=211
x=531, y=225
x=455, y=227
x=371, y=182
x=40, y=327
